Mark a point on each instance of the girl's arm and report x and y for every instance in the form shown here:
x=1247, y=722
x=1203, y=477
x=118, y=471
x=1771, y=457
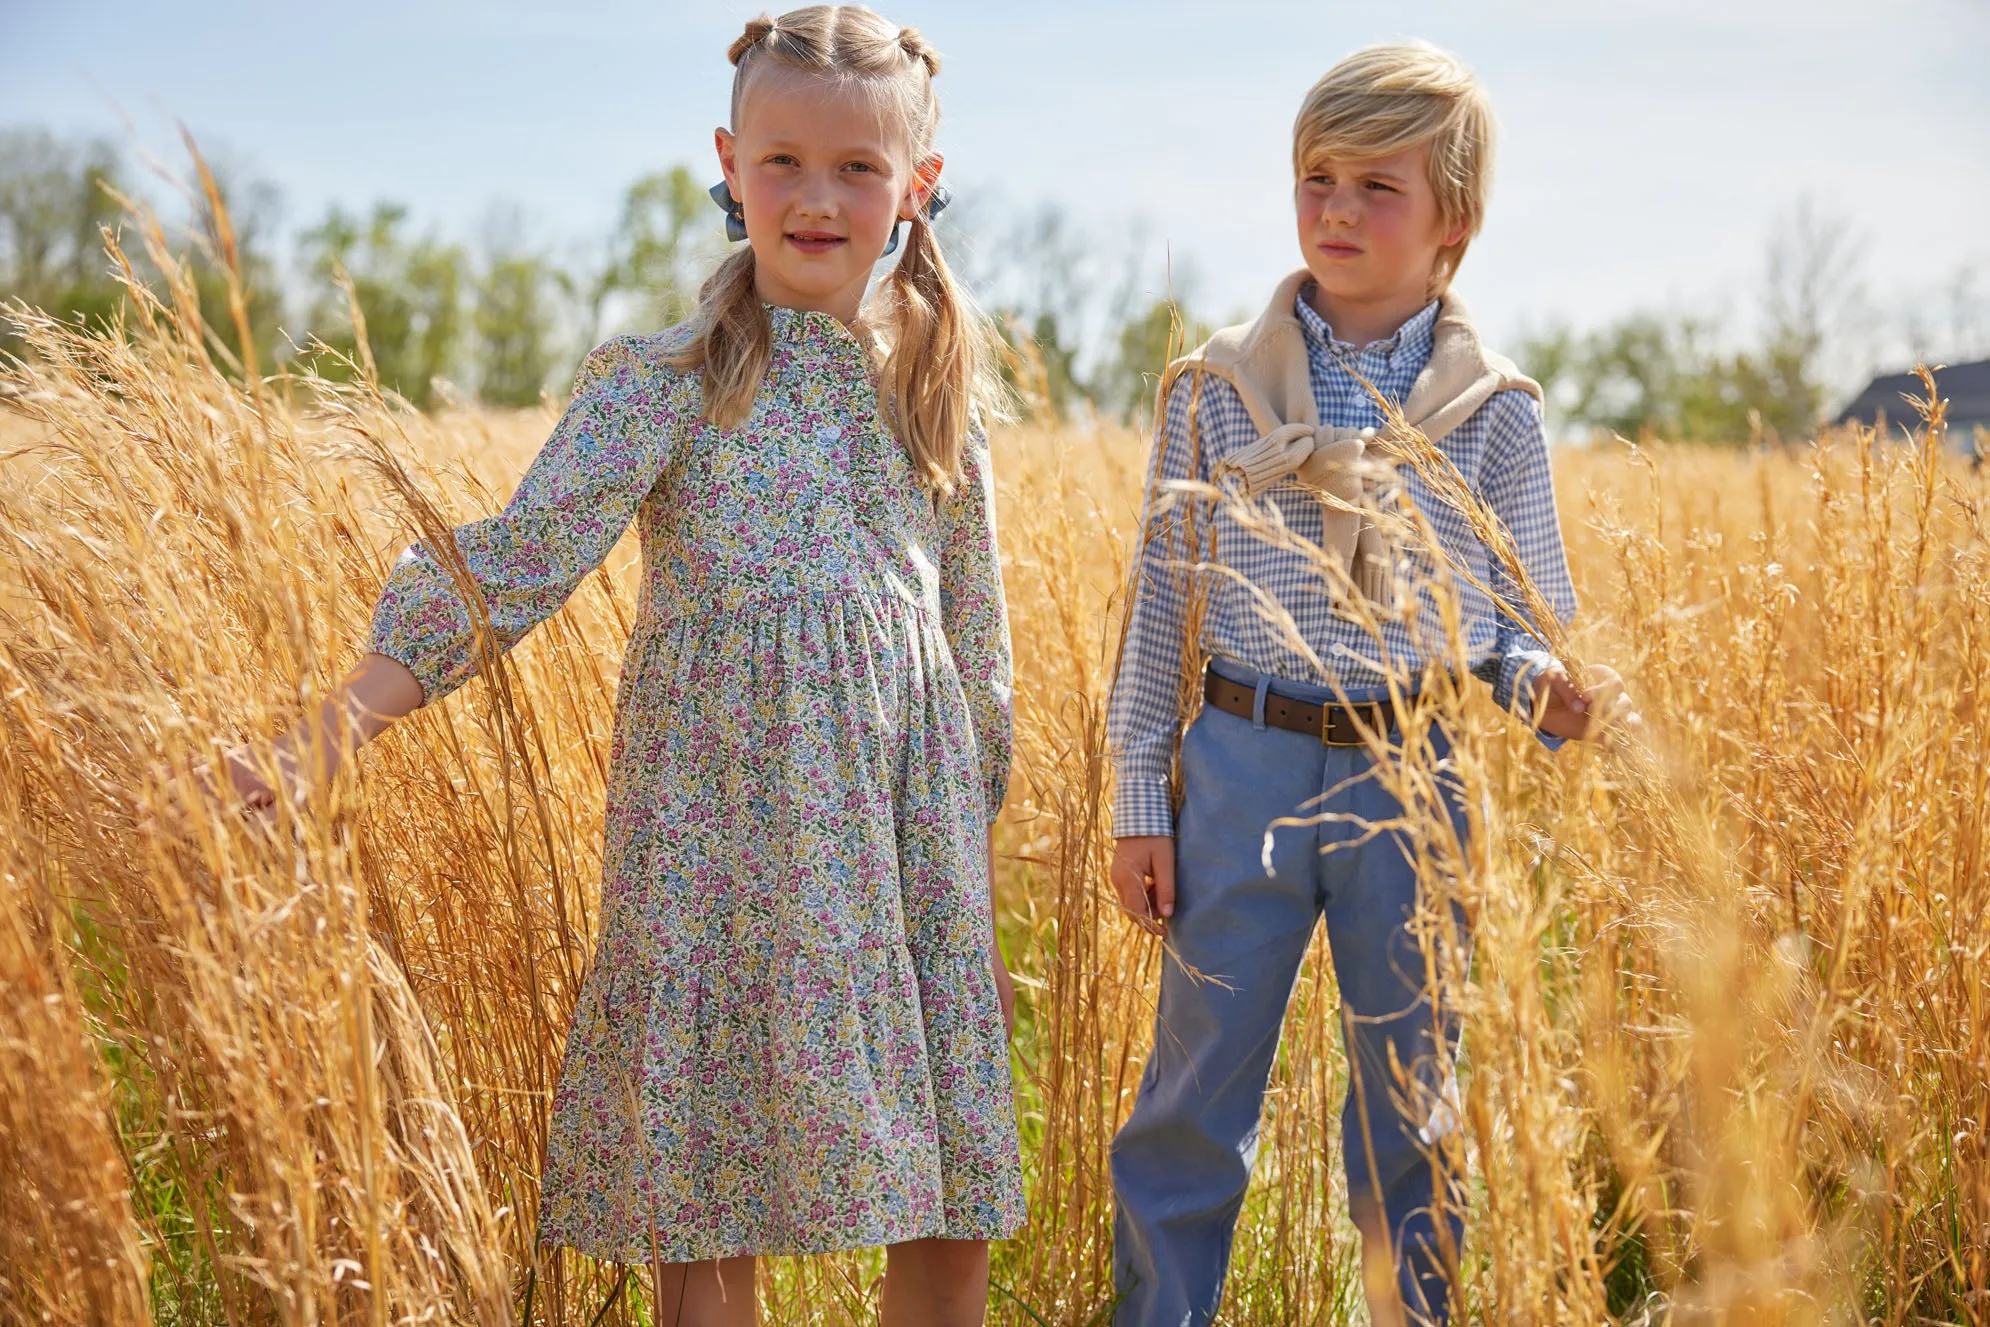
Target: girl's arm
x=574, y=502
x=976, y=616
x=578, y=496
x=373, y=695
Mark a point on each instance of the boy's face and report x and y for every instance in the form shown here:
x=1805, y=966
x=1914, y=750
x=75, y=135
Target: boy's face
x=822, y=180
x=1370, y=228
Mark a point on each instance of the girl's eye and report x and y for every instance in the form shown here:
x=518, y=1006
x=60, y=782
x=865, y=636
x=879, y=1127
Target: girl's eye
x=780, y=159
x=862, y=165
x=1377, y=184
x=1323, y=181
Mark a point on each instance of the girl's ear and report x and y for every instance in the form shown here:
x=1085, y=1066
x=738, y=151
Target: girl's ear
x=1455, y=234
x=925, y=175
x=728, y=148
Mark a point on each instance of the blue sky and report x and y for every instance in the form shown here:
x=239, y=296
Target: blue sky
x=1647, y=148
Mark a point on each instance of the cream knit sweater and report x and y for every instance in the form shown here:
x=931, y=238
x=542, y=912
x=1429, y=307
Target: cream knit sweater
x=1266, y=362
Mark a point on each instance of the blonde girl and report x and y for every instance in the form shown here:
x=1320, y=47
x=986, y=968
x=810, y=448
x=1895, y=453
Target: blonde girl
x=792, y=1039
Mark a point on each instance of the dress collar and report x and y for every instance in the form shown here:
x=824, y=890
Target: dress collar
x=810, y=333
x=1410, y=344
x=807, y=326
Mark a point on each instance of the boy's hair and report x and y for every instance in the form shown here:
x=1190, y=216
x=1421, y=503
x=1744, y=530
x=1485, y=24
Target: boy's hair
x=936, y=371
x=1387, y=99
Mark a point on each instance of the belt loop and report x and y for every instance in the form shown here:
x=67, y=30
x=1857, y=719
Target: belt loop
x=1257, y=705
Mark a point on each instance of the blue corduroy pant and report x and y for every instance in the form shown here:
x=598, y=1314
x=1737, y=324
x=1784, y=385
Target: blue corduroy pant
x=1181, y=1163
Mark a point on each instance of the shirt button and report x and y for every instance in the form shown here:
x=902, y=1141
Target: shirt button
x=828, y=433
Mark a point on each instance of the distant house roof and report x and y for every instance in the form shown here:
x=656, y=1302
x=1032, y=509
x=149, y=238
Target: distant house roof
x=1966, y=387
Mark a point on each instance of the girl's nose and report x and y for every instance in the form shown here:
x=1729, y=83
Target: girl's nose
x=816, y=199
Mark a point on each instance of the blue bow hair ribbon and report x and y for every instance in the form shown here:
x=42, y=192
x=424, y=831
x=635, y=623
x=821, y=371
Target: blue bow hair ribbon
x=721, y=193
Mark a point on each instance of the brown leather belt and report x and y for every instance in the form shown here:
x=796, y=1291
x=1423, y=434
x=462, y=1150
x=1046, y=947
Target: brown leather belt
x=1334, y=725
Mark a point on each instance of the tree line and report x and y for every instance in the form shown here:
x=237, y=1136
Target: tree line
x=502, y=320
x=1088, y=319
x=496, y=319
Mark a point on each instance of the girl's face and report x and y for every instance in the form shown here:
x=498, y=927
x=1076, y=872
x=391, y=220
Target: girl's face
x=823, y=178
x=1370, y=229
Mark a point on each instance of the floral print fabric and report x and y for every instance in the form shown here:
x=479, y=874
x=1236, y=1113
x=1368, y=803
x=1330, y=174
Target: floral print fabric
x=790, y=1040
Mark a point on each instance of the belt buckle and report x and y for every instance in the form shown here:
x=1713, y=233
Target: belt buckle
x=1327, y=725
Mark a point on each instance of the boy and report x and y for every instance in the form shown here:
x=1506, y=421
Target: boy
x=1391, y=153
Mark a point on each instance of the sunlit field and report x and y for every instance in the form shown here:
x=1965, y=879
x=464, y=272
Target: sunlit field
x=1727, y=1055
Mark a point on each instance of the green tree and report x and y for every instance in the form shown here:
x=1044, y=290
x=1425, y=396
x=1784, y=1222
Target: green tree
x=1665, y=376
x=410, y=296
x=512, y=325
x=650, y=262
x=1144, y=344
x=55, y=200
x=250, y=208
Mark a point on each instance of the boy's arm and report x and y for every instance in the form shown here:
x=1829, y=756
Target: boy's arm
x=1144, y=717
x=1517, y=484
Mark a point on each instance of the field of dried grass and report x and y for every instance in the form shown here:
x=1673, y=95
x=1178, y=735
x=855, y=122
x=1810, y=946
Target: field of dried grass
x=1727, y=1055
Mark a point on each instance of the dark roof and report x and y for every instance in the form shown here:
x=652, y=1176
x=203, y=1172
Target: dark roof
x=1966, y=387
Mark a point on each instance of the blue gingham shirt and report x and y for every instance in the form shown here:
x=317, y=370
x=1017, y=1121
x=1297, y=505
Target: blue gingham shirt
x=1502, y=454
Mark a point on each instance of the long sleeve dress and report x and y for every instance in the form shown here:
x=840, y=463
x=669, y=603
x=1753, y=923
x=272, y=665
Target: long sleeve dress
x=789, y=1040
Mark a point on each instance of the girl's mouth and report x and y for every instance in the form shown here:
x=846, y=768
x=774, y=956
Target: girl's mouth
x=1338, y=249
x=814, y=241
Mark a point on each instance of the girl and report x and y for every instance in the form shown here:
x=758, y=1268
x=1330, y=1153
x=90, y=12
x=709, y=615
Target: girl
x=792, y=1038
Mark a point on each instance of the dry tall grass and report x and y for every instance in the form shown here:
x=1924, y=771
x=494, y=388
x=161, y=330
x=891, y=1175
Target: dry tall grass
x=1728, y=1039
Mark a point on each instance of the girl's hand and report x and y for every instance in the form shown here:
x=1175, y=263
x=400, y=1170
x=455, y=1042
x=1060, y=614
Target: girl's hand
x=307, y=758
x=1143, y=875
x=249, y=785
x=1569, y=711
x=249, y=789
x=1005, y=987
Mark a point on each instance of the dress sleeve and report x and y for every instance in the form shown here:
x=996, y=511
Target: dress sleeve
x=574, y=502
x=976, y=615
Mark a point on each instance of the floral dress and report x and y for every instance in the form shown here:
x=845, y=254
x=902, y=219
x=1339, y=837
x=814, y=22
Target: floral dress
x=789, y=1040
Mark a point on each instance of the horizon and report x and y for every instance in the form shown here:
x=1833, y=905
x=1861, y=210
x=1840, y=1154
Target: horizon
x=548, y=117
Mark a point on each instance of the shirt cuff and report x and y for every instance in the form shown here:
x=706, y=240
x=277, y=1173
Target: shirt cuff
x=1142, y=807
x=1513, y=690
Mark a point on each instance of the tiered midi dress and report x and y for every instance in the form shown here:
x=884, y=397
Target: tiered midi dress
x=789, y=1040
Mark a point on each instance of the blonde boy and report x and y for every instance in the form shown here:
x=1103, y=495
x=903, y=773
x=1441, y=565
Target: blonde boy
x=1391, y=156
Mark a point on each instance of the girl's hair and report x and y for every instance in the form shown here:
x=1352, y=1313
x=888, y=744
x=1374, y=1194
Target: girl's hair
x=936, y=370
x=1387, y=99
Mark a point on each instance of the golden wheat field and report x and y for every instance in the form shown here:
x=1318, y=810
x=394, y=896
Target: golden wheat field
x=1727, y=1056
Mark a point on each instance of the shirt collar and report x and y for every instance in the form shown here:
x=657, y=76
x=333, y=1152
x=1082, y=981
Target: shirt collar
x=1410, y=344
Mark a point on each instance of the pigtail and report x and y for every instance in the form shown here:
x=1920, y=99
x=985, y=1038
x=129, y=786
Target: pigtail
x=936, y=374
x=733, y=342
x=757, y=31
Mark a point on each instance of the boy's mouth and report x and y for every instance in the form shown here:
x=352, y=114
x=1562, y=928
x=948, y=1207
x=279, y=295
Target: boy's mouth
x=815, y=241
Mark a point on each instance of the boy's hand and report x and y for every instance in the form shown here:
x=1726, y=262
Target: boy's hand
x=1569, y=711
x=1143, y=875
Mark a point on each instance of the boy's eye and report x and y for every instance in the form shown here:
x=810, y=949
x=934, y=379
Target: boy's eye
x=1377, y=184
x=780, y=159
